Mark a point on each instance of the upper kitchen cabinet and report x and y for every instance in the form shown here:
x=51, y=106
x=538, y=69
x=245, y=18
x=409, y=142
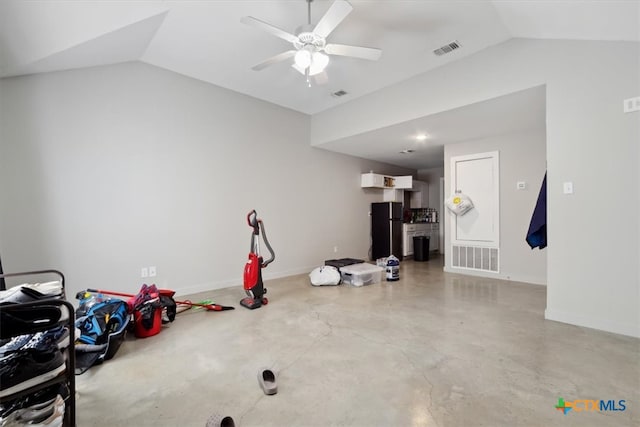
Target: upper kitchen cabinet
x=419, y=195
x=374, y=180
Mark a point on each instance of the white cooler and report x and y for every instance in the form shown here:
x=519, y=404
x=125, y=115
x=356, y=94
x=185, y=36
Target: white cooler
x=361, y=274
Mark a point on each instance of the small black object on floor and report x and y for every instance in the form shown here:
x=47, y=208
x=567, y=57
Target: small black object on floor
x=342, y=262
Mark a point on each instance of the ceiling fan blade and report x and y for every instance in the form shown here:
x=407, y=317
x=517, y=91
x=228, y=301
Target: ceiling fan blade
x=250, y=20
x=369, y=53
x=334, y=16
x=274, y=59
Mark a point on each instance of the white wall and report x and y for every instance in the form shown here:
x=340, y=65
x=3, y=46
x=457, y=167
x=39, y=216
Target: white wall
x=593, y=279
x=109, y=169
x=522, y=158
x=432, y=176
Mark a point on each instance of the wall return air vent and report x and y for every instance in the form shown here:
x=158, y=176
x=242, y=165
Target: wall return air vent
x=447, y=48
x=475, y=258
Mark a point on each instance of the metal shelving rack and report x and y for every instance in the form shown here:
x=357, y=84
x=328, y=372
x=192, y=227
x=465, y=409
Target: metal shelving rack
x=70, y=359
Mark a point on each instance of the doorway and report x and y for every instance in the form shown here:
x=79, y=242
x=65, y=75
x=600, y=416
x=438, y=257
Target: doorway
x=475, y=236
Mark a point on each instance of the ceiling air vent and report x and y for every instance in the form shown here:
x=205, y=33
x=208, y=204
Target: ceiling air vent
x=339, y=93
x=447, y=48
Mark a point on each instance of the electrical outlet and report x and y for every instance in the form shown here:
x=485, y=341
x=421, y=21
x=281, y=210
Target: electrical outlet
x=335, y=249
x=144, y=272
x=152, y=271
x=521, y=185
x=630, y=105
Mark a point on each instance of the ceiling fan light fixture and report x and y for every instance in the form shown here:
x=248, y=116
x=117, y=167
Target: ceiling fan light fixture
x=319, y=62
x=303, y=58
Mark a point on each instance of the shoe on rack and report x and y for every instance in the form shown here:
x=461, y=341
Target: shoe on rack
x=54, y=419
x=40, y=341
x=36, y=400
x=21, y=370
x=20, y=295
x=52, y=289
x=34, y=415
x=15, y=343
x=49, y=289
x=20, y=320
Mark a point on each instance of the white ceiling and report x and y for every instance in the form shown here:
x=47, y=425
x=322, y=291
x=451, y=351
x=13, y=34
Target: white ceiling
x=207, y=41
x=524, y=110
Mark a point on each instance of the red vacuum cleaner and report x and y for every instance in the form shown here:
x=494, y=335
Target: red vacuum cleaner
x=253, y=285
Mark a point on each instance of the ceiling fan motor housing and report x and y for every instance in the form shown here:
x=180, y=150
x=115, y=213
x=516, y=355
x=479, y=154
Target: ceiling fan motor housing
x=306, y=37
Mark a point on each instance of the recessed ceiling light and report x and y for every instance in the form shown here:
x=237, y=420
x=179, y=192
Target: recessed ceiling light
x=421, y=137
x=407, y=151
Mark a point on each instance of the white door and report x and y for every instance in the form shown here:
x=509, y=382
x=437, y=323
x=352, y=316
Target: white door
x=477, y=176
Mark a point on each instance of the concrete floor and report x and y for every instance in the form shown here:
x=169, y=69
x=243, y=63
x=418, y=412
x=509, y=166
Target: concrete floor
x=432, y=349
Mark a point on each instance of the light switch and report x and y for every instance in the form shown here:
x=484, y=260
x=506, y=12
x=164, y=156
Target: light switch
x=521, y=185
x=568, y=187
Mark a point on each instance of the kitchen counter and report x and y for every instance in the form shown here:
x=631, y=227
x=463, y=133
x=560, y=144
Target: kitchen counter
x=415, y=222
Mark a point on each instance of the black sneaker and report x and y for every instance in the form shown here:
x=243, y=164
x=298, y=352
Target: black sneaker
x=46, y=290
x=40, y=341
x=19, y=320
x=23, y=369
x=22, y=294
x=14, y=344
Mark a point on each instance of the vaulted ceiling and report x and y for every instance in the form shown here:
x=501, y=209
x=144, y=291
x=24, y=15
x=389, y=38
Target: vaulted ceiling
x=206, y=40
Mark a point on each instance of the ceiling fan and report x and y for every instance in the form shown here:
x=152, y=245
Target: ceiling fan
x=311, y=49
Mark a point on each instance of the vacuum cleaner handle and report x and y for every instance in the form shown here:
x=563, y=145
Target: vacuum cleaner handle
x=252, y=220
x=266, y=241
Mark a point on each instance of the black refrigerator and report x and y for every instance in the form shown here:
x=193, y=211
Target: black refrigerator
x=386, y=230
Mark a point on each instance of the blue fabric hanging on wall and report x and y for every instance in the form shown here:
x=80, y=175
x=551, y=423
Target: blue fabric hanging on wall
x=3, y=285
x=537, y=234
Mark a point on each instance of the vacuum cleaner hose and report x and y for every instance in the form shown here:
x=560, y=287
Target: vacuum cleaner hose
x=266, y=242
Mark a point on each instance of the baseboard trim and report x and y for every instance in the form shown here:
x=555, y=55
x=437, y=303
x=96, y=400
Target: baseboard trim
x=208, y=286
x=490, y=275
x=230, y=283
x=286, y=273
x=593, y=323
